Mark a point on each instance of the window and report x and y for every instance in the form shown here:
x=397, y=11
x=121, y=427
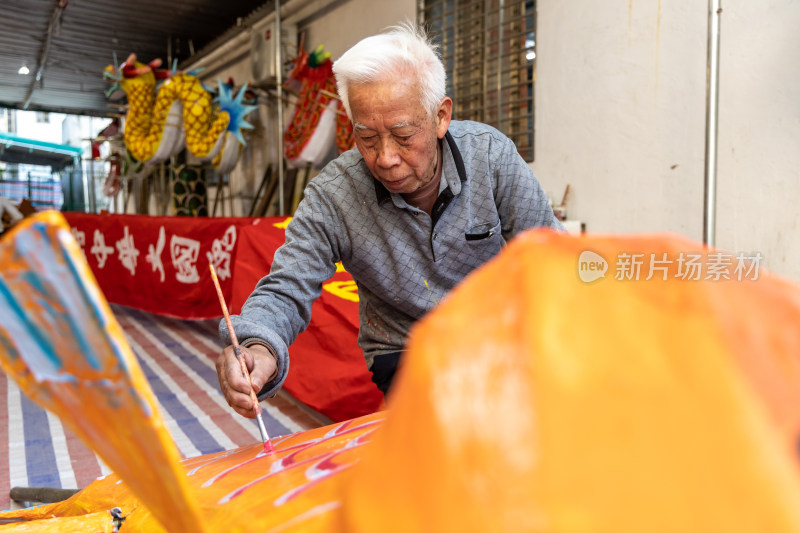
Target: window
x=43, y=118
x=488, y=49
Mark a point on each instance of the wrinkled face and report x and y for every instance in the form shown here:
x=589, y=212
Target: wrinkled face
x=396, y=137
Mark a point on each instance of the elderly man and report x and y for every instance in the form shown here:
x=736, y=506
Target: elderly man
x=420, y=203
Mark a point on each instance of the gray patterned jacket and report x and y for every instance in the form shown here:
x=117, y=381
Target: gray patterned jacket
x=404, y=261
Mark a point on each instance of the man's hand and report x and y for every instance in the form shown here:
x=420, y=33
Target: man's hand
x=262, y=367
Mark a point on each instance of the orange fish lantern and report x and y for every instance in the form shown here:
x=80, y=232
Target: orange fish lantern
x=556, y=389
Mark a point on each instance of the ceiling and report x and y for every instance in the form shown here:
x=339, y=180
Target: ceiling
x=68, y=43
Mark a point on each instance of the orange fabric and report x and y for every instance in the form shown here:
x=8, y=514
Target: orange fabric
x=63, y=346
x=99, y=522
x=530, y=400
x=298, y=487
x=536, y=402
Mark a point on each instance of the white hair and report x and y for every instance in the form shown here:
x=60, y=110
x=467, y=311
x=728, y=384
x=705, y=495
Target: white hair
x=405, y=49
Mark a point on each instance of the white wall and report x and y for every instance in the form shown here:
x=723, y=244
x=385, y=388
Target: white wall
x=341, y=28
x=620, y=115
x=759, y=131
x=29, y=127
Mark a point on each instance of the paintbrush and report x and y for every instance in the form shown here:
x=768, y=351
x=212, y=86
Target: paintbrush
x=256, y=407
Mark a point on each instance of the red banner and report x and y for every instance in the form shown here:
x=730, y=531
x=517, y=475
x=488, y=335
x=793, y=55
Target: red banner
x=160, y=265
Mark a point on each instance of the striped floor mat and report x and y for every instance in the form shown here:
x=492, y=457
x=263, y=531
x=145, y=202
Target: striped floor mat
x=177, y=358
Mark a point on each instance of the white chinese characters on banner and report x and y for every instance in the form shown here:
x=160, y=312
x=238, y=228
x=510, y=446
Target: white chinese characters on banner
x=183, y=252
x=80, y=238
x=128, y=253
x=154, y=253
x=99, y=249
x=220, y=254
